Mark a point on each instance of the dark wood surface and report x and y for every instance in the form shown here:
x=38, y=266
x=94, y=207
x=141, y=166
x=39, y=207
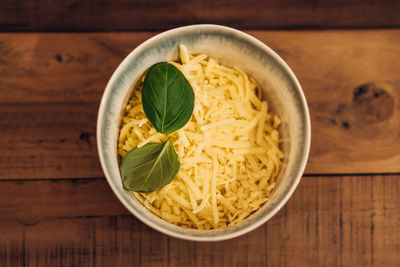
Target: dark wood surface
x=142, y=15
x=329, y=221
x=56, y=209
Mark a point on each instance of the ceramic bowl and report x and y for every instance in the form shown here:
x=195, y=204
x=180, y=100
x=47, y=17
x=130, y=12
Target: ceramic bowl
x=233, y=48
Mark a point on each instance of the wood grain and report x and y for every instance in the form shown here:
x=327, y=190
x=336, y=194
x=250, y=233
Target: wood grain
x=352, y=86
x=48, y=140
x=43, y=68
x=139, y=15
x=29, y=202
x=336, y=221
x=52, y=83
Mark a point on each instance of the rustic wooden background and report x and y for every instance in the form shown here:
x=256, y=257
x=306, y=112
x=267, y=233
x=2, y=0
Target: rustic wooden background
x=56, y=208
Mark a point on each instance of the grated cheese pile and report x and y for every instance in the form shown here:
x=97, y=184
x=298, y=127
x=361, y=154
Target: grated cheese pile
x=229, y=150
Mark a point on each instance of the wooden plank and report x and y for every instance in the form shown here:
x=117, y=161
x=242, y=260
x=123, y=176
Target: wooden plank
x=354, y=104
x=337, y=221
x=110, y=15
x=353, y=91
x=48, y=140
x=31, y=201
x=42, y=68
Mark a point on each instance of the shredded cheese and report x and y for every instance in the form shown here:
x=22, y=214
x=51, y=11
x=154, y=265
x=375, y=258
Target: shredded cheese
x=229, y=150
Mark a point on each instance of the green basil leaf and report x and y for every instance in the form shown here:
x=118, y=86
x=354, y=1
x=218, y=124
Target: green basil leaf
x=167, y=98
x=150, y=167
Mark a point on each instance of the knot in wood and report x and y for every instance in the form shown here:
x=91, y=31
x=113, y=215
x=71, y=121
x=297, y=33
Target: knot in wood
x=372, y=103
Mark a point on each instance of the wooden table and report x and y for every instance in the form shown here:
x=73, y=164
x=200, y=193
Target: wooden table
x=56, y=208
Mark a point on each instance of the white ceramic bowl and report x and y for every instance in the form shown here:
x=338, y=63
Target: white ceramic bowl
x=233, y=48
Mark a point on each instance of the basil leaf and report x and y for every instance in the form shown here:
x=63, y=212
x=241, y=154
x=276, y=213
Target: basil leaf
x=167, y=98
x=150, y=167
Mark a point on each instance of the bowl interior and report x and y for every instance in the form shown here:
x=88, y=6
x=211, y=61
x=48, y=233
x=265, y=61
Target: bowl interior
x=232, y=48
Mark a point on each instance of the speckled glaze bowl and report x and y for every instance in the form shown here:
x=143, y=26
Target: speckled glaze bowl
x=233, y=48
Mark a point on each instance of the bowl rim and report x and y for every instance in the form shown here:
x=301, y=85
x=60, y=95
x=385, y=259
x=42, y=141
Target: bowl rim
x=307, y=130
